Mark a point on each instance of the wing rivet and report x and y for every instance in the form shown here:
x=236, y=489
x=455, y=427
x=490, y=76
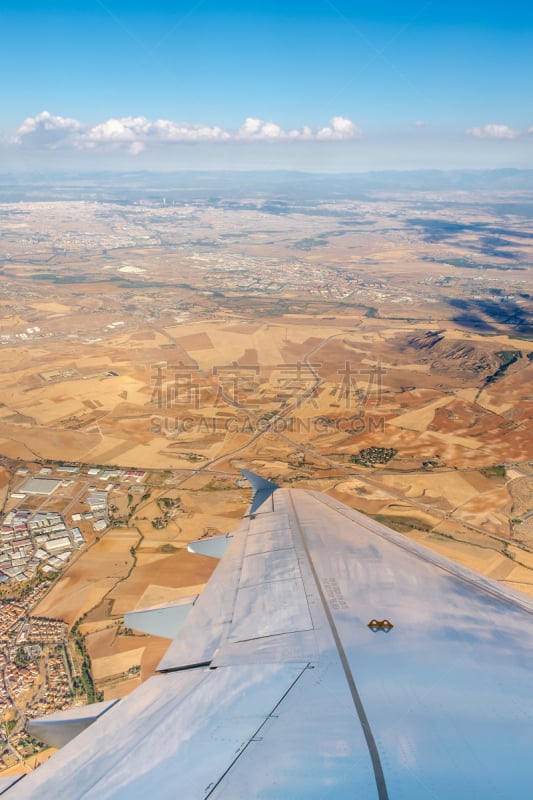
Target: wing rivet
x=380, y=625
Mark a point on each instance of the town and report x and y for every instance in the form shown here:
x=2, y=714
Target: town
x=43, y=664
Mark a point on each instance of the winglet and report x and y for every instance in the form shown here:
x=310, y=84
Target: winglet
x=262, y=489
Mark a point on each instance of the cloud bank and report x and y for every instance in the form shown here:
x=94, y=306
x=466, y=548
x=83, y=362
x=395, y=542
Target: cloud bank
x=493, y=131
x=135, y=134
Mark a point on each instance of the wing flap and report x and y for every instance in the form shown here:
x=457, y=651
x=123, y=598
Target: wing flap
x=176, y=736
x=277, y=565
x=270, y=609
x=293, y=646
x=204, y=630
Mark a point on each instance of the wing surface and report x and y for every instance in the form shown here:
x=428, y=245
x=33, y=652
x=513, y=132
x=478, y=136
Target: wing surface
x=276, y=686
x=8, y=781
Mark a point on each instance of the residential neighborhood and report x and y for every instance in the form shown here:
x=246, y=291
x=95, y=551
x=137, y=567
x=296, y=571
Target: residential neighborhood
x=52, y=512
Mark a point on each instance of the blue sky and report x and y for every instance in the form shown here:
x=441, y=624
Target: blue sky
x=406, y=83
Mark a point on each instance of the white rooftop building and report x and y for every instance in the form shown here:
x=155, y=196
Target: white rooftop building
x=55, y=545
x=97, y=501
x=39, y=486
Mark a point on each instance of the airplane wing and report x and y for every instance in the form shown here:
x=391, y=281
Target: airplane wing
x=327, y=657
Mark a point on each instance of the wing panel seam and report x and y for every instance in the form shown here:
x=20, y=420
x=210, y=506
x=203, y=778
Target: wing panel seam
x=254, y=735
x=373, y=751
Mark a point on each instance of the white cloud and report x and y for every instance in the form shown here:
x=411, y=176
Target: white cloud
x=46, y=130
x=259, y=130
x=135, y=134
x=339, y=128
x=493, y=131
x=113, y=131
x=250, y=127
x=420, y=123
